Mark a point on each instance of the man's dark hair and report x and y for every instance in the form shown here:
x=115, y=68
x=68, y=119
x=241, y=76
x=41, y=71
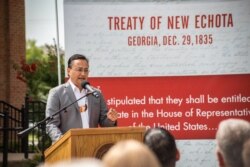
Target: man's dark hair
x=162, y=143
x=76, y=57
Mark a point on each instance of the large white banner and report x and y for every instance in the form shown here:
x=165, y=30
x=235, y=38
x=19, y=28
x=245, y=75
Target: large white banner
x=171, y=64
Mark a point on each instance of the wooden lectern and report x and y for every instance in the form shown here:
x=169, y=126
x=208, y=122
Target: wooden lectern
x=92, y=142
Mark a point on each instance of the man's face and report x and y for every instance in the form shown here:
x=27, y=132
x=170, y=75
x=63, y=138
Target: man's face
x=78, y=72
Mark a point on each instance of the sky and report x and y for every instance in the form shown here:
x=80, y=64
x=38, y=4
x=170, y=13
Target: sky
x=40, y=21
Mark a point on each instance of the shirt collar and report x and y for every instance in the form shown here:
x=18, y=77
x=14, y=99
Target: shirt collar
x=75, y=88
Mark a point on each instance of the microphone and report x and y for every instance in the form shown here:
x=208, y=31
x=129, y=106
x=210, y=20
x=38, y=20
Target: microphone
x=86, y=85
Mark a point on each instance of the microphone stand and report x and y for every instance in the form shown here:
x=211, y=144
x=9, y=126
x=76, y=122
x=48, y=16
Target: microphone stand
x=26, y=131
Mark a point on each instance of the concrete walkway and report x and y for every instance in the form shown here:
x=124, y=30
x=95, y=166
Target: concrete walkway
x=18, y=160
x=15, y=156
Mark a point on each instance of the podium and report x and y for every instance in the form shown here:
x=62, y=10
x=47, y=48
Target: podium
x=92, y=142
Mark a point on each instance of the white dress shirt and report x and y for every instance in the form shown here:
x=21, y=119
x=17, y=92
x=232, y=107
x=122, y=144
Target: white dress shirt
x=83, y=103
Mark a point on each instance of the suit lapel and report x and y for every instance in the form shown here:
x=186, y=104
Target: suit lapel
x=90, y=101
x=71, y=95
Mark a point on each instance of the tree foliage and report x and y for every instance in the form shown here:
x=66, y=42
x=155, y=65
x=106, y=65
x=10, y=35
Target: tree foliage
x=39, y=71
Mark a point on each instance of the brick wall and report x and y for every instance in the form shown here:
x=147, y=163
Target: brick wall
x=12, y=49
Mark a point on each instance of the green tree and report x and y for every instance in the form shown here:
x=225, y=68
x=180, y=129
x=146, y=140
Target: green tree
x=39, y=70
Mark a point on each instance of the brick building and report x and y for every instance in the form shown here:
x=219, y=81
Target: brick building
x=12, y=50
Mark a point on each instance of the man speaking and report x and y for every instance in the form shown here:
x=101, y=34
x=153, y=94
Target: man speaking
x=88, y=109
